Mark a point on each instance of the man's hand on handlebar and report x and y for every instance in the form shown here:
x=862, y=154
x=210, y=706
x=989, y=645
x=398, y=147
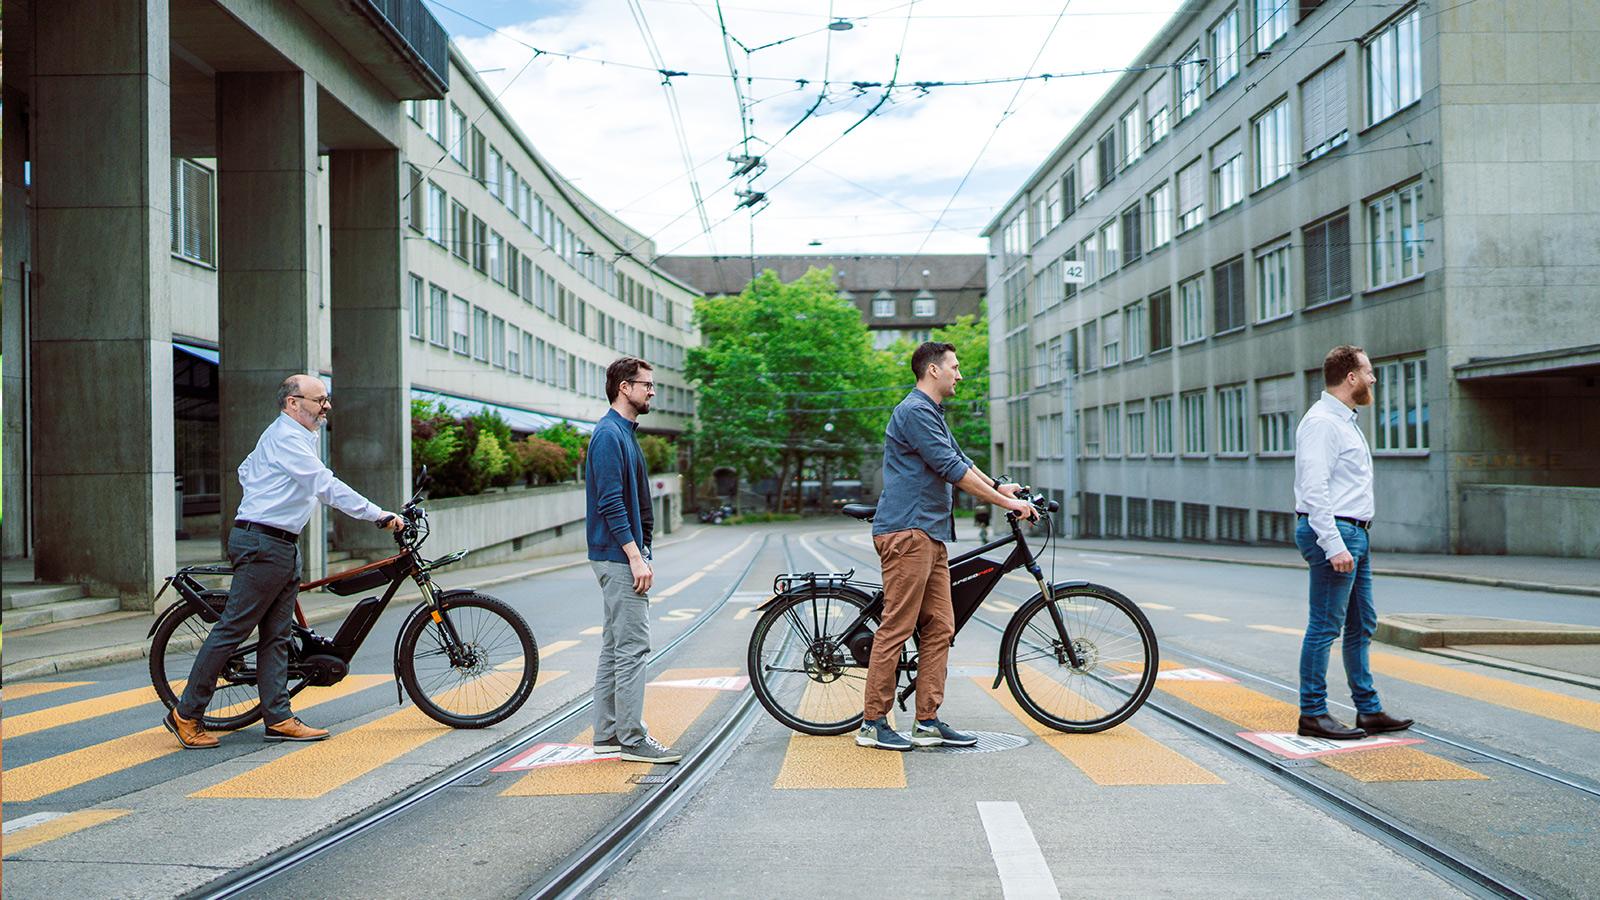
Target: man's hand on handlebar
x=388, y=521
x=1021, y=508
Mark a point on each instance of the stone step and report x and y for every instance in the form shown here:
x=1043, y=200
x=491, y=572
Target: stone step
x=60, y=611
x=18, y=596
x=335, y=556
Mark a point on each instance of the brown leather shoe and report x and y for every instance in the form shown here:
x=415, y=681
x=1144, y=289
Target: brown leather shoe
x=1379, y=722
x=292, y=729
x=191, y=733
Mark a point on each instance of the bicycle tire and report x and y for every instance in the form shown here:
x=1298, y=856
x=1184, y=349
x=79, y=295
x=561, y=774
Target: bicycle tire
x=809, y=705
x=498, y=628
x=169, y=661
x=1118, y=653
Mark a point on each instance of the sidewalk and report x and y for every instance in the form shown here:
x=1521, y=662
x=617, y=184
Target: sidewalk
x=120, y=637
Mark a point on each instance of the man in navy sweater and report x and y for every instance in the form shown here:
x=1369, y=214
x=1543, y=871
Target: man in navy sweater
x=617, y=486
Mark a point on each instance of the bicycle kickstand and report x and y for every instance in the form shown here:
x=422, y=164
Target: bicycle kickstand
x=910, y=688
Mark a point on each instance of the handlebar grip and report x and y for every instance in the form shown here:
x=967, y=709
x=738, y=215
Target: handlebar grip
x=384, y=522
x=1053, y=506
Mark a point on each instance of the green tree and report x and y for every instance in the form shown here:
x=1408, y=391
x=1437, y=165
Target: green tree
x=435, y=435
x=968, y=411
x=658, y=453
x=572, y=443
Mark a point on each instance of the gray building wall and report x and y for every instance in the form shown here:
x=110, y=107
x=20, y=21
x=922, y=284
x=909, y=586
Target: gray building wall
x=1509, y=213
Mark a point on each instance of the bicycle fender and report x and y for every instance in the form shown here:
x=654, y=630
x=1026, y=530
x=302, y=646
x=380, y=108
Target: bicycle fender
x=803, y=590
x=418, y=610
x=171, y=610
x=1016, y=623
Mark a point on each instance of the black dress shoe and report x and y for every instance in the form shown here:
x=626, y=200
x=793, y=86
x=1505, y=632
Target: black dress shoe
x=1326, y=726
x=1379, y=722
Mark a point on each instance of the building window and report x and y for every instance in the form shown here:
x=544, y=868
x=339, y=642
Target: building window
x=1110, y=340
x=494, y=173
x=1227, y=172
x=1157, y=119
x=1231, y=418
x=1275, y=415
x=1090, y=251
x=922, y=307
x=508, y=189
x=1271, y=130
x=416, y=200
x=513, y=269
x=1090, y=429
x=1272, y=283
x=480, y=334
x=1394, y=235
x=1069, y=193
x=1088, y=175
x=1159, y=203
x=480, y=245
x=1194, y=423
x=1400, y=405
x=193, y=212
x=414, y=310
x=438, y=316
x=1134, y=418
x=1191, y=196
x=497, y=335
x=1110, y=255
x=460, y=231
x=1227, y=296
x=1107, y=152
x=1196, y=521
x=1133, y=330
x=1192, y=310
x=458, y=134
x=1233, y=524
x=1112, y=419
x=497, y=257
x=478, y=155
x=1068, y=261
x=1272, y=22
x=1161, y=320
x=436, y=121
x=1324, y=116
x=436, y=213
x=1091, y=345
x=1131, y=234
x=883, y=307
x=1052, y=205
x=527, y=280
x=1132, y=136
x=1394, y=68
x=527, y=355
x=1327, y=260
x=1191, y=73
x=1224, y=43
x=1161, y=425
x=461, y=326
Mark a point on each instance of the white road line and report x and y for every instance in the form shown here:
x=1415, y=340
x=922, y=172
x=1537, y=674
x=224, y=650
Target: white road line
x=38, y=818
x=1110, y=556
x=806, y=544
x=1024, y=874
x=1094, y=562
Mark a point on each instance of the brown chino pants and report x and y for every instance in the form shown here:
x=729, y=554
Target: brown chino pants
x=916, y=595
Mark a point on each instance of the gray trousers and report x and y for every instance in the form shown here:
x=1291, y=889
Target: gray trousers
x=624, y=646
x=266, y=578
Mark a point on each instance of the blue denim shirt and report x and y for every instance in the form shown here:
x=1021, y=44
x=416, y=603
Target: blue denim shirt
x=617, y=490
x=920, y=462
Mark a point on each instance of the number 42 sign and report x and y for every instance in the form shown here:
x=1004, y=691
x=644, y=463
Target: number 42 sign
x=1072, y=271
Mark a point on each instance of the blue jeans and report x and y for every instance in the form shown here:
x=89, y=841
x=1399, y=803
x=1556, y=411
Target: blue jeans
x=1340, y=601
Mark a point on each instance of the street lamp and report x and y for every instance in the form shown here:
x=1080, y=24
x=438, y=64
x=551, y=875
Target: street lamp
x=840, y=25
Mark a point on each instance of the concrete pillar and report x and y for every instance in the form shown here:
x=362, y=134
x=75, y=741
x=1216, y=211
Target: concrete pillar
x=17, y=259
x=372, y=431
x=268, y=279
x=102, y=440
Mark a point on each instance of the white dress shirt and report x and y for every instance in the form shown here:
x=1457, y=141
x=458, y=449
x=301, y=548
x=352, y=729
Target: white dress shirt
x=1332, y=470
x=284, y=479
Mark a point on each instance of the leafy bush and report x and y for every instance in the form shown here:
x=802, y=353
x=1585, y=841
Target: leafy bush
x=752, y=518
x=659, y=455
x=435, y=435
x=571, y=442
x=491, y=423
x=542, y=461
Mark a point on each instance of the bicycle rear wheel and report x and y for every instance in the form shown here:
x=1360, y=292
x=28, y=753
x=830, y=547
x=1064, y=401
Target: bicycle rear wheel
x=801, y=666
x=1117, y=655
x=479, y=680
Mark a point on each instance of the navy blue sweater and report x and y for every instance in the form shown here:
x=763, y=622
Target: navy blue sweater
x=617, y=488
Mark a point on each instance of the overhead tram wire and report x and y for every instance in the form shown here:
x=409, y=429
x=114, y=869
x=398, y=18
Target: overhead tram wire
x=423, y=177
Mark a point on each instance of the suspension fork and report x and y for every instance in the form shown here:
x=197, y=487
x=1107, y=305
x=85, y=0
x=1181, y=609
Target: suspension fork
x=1055, y=614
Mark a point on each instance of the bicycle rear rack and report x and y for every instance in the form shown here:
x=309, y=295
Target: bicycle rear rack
x=811, y=580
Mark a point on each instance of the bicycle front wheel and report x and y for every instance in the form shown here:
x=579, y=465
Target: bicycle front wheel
x=1116, y=654
x=802, y=666
x=478, y=678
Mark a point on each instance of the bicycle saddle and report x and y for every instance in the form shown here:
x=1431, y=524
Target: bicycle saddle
x=860, y=511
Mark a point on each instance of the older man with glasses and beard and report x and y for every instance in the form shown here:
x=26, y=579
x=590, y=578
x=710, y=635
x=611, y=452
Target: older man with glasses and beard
x=283, y=480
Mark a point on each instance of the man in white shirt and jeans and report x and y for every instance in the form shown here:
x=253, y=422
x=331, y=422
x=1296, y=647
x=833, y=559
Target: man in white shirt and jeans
x=283, y=480
x=1334, y=502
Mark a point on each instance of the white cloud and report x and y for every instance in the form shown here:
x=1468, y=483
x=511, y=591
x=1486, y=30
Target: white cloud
x=607, y=128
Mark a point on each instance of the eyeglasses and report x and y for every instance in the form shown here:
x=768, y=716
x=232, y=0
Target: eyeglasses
x=324, y=400
x=647, y=385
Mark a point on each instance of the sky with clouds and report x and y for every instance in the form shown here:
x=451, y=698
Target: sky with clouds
x=881, y=188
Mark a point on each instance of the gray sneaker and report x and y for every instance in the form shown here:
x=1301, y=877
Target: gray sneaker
x=877, y=733
x=607, y=747
x=934, y=733
x=650, y=750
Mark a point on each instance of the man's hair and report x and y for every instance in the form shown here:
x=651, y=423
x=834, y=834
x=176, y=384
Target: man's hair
x=624, y=369
x=1339, y=363
x=287, y=389
x=929, y=353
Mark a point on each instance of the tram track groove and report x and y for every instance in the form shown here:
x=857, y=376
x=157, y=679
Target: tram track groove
x=292, y=857
x=1471, y=877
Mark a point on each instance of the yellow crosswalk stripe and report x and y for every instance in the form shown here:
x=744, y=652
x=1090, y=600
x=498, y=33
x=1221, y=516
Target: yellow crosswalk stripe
x=1537, y=701
x=1124, y=755
x=35, y=688
x=1204, y=617
x=59, y=827
x=69, y=713
x=1160, y=606
x=994, y=604
x=556, y=647
x=1255, y=711
x=819, y=763
x=662, y=595
x=48, y=776
x=1279, y=629
x=591, y=632
x=316, y=769
x=668, y=713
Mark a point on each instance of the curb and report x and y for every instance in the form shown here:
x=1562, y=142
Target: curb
x=1508, y=665
x=1577, y=589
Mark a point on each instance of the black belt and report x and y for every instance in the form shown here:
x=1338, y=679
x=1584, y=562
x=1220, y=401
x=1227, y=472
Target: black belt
x=1363, y=524
x=268, y=530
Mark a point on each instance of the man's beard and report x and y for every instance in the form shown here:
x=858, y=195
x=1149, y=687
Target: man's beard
x=1363, y=395
x=640, y=407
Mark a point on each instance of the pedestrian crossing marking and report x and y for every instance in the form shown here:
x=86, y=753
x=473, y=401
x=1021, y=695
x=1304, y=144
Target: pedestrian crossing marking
x=70, y=713
x=314, y=770
x=668, y=713
x=1279, y=629
x=54, y=826
x=1124, y=755
x=1204, y=617
x=68, y=770
x=662, y=595
x=556, y=647
x=35, y=688
x=1499, y=691
x=743, y=613
x=813, y=762
x=1255, y=711
x=1161, y=606
x=994, y=604
x=591, y=632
